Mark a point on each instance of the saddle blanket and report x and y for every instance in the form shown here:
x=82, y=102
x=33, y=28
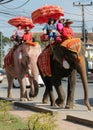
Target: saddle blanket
x=44, y=62
x=73, y=44
x=8, y=60
x=31, y=43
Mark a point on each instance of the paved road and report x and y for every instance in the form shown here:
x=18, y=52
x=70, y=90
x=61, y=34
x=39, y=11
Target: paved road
x=62, y=123
x=79, y=94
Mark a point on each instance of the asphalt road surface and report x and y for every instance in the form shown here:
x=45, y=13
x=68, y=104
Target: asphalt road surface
x=61, y=120
x=79, y=93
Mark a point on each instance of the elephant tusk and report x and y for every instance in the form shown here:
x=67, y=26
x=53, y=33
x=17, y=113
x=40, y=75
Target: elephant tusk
x=30, y=73
x=20, y=55
x=66, y=64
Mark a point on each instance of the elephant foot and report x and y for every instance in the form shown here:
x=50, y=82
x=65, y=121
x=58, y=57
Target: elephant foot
x=45, y=100
x=23, y=99
x=31, y=99
x=71, y=105
x=59, y=103
x=54, y=106
x=88, y=105
x=9, y=96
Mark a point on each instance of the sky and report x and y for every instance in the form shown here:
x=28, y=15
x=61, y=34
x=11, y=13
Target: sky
x=26, y=7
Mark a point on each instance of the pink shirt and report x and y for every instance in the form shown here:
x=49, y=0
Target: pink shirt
x=59, y=27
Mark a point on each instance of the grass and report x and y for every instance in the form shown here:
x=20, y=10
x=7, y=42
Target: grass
x=35, y=122
x=38, y=121
x=11, y=123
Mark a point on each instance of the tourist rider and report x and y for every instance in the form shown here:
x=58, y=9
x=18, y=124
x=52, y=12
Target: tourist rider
x=18, y=34
x=67, y=31
x=60, y=24
x=50, y=29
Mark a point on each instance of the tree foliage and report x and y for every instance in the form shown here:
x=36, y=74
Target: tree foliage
x=5, y=40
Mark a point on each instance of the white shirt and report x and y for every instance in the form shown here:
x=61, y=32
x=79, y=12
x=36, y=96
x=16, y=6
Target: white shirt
x=19, y=33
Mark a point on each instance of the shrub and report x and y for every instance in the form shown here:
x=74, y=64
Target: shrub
x=42, y=122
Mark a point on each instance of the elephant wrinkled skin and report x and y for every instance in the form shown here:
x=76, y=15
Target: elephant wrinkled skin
x=77, y=63
x=24, y=64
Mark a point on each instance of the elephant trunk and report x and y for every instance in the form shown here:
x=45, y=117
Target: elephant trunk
x=82, y=71
x=34, y=88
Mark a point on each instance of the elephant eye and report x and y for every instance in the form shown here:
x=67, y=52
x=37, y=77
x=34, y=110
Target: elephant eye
x=27, y=56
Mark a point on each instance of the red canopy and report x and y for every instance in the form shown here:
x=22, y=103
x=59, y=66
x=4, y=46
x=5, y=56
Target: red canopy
x=23, y=21
x=43, y=14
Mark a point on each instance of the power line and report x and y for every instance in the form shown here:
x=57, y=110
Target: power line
x=1, y=2
x=82, y=4
x=72, y=14
x=6, y=13
x=18, y=6
x=89, y=12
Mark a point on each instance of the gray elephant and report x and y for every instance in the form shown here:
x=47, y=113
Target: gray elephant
x=24, y=62
x=77, y=63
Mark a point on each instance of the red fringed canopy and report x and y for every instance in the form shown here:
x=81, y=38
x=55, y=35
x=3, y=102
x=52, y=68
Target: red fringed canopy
x=23, y=21
x=43, y=14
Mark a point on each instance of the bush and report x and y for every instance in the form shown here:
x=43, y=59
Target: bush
x=5, y=106
x=42, y=122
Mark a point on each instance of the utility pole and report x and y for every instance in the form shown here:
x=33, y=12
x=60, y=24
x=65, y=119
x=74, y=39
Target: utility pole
x=0, y=49
x=82, y=4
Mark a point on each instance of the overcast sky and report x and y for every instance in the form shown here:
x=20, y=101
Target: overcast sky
x=26, y=7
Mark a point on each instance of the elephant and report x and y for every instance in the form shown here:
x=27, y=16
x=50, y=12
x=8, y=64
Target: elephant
x=24, y=62
x=77, y=64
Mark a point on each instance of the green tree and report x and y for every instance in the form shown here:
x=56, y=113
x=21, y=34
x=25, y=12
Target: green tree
x=3, y=42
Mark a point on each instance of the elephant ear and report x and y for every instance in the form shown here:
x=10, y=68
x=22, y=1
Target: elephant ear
x=58, y=53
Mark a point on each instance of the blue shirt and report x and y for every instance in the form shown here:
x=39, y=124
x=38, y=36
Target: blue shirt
x=49, y=28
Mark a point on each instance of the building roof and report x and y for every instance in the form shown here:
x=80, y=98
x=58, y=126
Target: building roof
x=77, y=35
x=89, y=36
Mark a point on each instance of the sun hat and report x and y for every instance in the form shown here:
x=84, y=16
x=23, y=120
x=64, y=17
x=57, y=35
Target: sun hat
x=68, y=21
x=61, y=17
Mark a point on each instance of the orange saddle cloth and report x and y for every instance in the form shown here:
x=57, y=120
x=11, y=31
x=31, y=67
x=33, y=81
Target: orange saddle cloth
x=8, y=60
x=31, y=43
x=44, y=62
x=72, y=44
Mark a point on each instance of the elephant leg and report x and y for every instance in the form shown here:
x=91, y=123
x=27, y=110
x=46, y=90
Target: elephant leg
x=10, y=85
x=48, y=91
x=46, y=96
x=71, y=90
x=82, y=71
x=60, y=92
x=23, y=91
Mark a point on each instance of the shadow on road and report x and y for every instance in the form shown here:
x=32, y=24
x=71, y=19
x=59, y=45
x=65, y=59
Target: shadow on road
x=81, y=101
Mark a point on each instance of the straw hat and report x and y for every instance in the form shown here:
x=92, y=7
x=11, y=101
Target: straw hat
x=61, y=17
x=68, y=21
